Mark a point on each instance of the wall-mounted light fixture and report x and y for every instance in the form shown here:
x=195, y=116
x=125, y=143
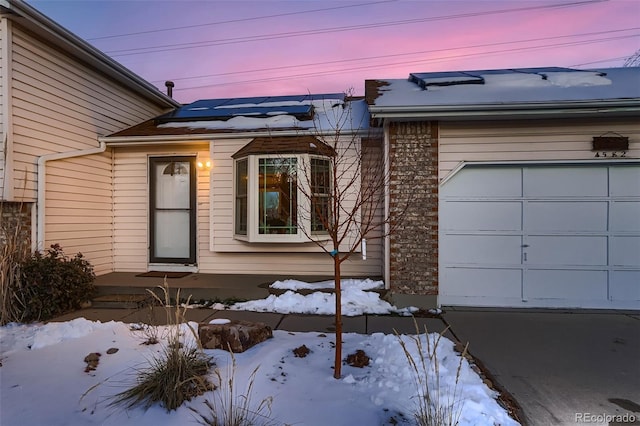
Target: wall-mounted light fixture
x=204, y=164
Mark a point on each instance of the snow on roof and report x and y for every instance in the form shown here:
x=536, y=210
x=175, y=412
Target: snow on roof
x=304, y=112
x=517, y=86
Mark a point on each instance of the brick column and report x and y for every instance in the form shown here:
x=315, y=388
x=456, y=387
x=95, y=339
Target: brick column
x=14, y=215
x=413, y=154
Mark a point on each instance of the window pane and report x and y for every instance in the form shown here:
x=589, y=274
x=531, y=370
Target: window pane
x=320, y=194
x=277, y=196
x=242, y=180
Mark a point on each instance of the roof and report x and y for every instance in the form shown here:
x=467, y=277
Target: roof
x=30, y=18
x=515, y=91
x=238, y=117
x=285, y=145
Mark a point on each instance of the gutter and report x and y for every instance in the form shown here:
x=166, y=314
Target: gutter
x=387, y=226
x=120, y=141
x=42, y=184
x=626, y=107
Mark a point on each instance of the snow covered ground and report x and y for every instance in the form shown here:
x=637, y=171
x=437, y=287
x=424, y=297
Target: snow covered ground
x=43, y=379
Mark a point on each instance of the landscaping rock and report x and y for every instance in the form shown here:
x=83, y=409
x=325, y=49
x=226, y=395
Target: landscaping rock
x=92, y=360
x=301, y=352
x=235, y=335
x=358, y=359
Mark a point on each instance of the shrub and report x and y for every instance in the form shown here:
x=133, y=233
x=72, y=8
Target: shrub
x=228, y=407
x=53, y=283
x=176, y=374
x=438, y=402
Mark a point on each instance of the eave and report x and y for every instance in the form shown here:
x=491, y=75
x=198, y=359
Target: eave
x=120, y=141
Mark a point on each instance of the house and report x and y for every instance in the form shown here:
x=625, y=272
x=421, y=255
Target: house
x=96, y=159
x=58, y=95
x=525, y=186
x=216, y=186
x=509, y=188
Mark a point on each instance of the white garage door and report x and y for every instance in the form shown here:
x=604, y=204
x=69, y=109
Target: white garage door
x=541, y=236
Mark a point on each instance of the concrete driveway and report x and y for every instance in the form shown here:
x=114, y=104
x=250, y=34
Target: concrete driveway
x=564, y=368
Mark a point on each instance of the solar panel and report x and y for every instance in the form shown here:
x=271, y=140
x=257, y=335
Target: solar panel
x=444, y=79
x=424, y=80
x=298, y=106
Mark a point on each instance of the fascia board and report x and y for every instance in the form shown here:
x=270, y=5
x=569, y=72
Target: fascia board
x=115, y=141
x=624, y=107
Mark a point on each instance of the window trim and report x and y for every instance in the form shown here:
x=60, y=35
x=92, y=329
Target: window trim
x=304, y=233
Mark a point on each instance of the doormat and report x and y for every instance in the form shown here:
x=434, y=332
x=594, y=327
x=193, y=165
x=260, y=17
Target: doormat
x=160, y=274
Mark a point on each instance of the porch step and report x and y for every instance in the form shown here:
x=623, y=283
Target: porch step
x=122, y=301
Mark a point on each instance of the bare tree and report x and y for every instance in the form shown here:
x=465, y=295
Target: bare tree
x=343, y=191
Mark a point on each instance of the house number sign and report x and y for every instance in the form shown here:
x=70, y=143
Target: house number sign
x=611, y=154
x=611, y=145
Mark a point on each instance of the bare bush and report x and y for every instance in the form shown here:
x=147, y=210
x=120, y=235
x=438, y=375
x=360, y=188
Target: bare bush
x=228, y=407
x=438, y=403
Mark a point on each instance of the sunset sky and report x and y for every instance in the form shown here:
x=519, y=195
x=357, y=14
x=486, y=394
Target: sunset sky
x=215, y=48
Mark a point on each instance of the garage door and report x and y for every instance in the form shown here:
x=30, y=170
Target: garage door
x=541, y=236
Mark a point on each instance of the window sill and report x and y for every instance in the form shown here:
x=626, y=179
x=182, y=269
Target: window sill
x=281, y=239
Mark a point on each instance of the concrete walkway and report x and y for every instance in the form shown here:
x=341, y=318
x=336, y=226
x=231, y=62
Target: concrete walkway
x=561, y=367
x=364, y=324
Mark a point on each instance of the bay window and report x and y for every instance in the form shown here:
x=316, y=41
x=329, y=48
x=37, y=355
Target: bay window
x=282, y=197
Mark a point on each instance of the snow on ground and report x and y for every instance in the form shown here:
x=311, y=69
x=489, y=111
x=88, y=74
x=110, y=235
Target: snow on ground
x=43, y=382
x=365, y=284
x=43, y=379
x=354, y=302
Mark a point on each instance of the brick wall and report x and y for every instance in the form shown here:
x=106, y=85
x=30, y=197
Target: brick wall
x=14, y=215
x=413, y=154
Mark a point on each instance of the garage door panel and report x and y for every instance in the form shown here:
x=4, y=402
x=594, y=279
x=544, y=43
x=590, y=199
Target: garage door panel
x=565, y=284
x=625, y=251
x=565, y=182
x=481, y=282
x=562, y=250
x=551, y=216
x=625, y=285
x=482, y=216
x=625, y=216
x=625, y=181
x=481, y=249
x=482, y=182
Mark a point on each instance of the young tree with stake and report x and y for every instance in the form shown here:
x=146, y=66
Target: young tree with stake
x=344, y=193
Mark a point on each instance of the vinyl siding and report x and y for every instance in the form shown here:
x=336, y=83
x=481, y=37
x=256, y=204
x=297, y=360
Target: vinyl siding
x=3, y=105
x=60, y=104
x=217, y=251
x=527, y=141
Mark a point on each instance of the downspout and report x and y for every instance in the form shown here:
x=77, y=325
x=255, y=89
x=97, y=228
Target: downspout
x=42, y=162
x=387, y=225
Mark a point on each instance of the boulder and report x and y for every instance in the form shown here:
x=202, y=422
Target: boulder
x=235, y=335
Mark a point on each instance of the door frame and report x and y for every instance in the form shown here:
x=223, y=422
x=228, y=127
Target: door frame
x=191, y=159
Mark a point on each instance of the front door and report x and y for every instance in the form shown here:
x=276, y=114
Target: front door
x=172, y=208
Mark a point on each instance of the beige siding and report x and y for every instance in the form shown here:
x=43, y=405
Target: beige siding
x=527, y=141
x=62, y=105
x=3, y=101
x=214, y=224
x=78, y=206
